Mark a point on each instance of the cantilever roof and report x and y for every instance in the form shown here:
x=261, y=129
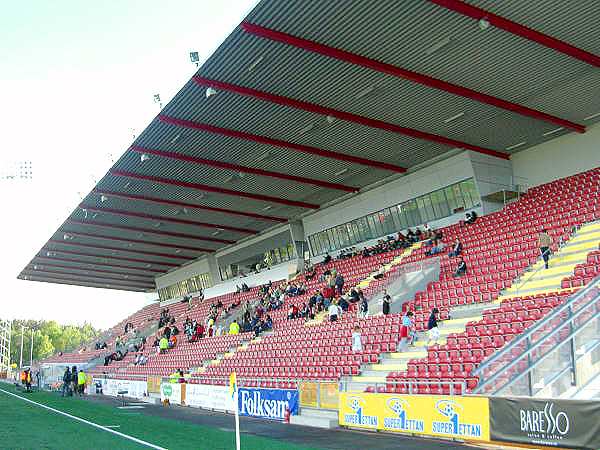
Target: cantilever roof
x=316, y=100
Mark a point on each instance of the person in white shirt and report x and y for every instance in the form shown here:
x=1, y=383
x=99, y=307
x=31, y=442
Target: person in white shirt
x=334, y=311
x=356, y=340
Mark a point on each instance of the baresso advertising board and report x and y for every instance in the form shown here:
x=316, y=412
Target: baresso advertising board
x=552, y=422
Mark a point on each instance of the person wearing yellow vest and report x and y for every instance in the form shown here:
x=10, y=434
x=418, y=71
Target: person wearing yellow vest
x=174, y=377
x=163, y=344
x=234, y=328
x=81, y=379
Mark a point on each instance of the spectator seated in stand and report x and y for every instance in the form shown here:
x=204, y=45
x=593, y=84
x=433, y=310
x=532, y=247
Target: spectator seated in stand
x=456, y=249
x=163, y=344
x=471, y=218
x=380, y=273
x=234, y=328
x=172, y=341
x=438, y=247
x=343, y=303
x=461, y=269
x=293, y=312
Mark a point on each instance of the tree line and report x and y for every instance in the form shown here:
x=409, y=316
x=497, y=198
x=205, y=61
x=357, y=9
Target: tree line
x=49, y=337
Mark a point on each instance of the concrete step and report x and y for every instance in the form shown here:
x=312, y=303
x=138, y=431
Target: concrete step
x=318, y=418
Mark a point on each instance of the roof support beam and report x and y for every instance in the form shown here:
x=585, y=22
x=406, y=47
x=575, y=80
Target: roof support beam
x=56, y=258
x=86, y=277
x=91, y=222
x=279, y=143
x=399, y=72
x=207, y=188
x=130, y=276
x=190, y=205
x=476, y=13
x=88, y=283
x=121, y=212
x=120, y=249
x=342, y=115
x=243, y=169
x=92, y=255
x=136, y=241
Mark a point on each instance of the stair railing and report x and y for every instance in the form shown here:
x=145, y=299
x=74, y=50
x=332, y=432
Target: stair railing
x=521, y=360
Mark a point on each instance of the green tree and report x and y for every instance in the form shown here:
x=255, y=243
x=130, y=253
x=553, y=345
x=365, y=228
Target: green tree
x=49, y=337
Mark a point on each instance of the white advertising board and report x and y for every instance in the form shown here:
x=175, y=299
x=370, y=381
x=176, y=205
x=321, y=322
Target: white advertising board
x=209, y=397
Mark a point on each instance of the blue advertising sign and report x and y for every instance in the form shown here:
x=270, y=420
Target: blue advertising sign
x=267, y=403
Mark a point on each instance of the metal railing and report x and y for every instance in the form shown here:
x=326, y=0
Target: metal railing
x=525, y=366
x=396, y=272
x=530, y=275
x=409, y=386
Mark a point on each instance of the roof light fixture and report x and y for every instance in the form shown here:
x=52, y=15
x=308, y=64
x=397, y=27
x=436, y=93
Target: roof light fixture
x=549, y=133
x=256, y=62
x=265, y=155
x=178, y=251
x=483, y=24
x=341, y=172
x=67, y=237
x=103, y=198
x=144, y=157
x=593, y=116
x=175, y=139
x=512, y=147
x=438, y=45
x=454, y=117
x=307, y=128
x=210, y=92
x=157, y=224
x=268, y=207
x=330, y=119
x=366, y=91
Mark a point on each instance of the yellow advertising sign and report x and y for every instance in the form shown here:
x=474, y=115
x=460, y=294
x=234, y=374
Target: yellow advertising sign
x=447, y=416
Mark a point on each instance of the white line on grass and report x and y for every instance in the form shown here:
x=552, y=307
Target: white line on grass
x=131, y=438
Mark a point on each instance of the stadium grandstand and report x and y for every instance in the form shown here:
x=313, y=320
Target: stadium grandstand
x=378, y=215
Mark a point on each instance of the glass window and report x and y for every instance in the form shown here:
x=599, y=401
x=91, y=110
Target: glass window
x=403, y=217
x=412, y=213
x=334, y=239
x=343, y=235
x=469, y=193
x=440, y=205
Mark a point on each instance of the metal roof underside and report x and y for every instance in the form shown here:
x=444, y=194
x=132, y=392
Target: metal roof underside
x=145, y=218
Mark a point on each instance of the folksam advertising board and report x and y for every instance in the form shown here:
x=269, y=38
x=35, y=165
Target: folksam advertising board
x=209, y=397
x=267, y=403
x=446, y=416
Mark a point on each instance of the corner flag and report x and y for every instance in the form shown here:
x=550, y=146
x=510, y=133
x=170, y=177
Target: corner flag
x=232, y=383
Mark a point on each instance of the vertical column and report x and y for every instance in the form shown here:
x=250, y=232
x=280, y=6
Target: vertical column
x=299, y=240
x=215, y=274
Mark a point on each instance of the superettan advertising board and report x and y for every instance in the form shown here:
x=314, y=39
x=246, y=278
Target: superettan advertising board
x=448, y=416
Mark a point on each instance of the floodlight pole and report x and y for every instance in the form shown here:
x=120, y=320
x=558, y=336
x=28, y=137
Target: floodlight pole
x=21, y=357
x=31, y=360
x=9, y=339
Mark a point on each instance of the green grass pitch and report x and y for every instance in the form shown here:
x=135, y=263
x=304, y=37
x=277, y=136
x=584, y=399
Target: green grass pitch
x=27, y=426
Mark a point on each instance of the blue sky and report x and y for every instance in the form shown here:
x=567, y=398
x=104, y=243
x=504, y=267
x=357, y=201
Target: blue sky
x=77, y=80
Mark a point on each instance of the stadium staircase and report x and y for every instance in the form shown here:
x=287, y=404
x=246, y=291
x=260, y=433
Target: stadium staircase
x=535, y=281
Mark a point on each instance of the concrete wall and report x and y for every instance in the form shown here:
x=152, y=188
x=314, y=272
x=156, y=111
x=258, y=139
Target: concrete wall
x=183, y=273
x=559, y=158
x=276, y=273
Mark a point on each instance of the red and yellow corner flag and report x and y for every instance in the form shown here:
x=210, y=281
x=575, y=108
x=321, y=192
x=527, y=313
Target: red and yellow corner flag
x=232, y=383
